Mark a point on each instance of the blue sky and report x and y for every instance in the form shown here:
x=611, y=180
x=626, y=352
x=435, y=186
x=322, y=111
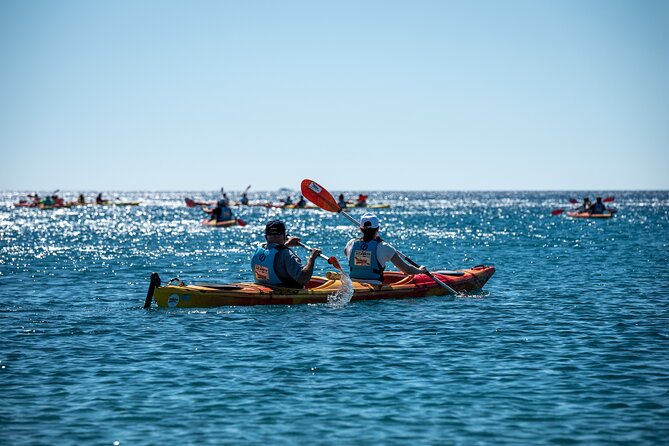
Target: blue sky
x=360, y=95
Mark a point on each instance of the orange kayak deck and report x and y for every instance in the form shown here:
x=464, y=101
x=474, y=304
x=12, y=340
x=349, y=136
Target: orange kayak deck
x=395, y=286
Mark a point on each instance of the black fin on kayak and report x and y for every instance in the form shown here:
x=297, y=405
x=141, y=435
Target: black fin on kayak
x=153, y=284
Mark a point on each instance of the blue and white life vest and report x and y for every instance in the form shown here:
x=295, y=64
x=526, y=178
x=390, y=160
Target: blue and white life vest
x=363, y=261
x=264, y=272
x=225, y=215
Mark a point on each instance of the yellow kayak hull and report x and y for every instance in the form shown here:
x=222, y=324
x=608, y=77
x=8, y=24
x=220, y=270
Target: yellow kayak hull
x=396, y=286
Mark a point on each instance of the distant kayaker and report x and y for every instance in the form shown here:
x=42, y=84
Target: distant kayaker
x=341, y=201
x=301, y=202
x=599, y=207
x=221, y=212
x=244, y=200
x=224, y=202
x=288, y=201
x=361, y=202
x=585, y=206
x=99, y=200
x=274, y=263
x=81, y=199
x=368, y=255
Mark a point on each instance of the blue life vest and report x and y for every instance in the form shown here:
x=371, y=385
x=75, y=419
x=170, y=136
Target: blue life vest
x=598, y=208
x=264, y=272
x=223, y=213
x=363, y=261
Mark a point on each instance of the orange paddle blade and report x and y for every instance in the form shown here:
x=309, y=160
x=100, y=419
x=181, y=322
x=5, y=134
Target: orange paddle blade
x=334, y=262
x=319, y=196
x=608, y=199
x=557, y=211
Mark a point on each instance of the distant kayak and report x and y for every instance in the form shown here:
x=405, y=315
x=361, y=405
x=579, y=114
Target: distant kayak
x=224, y=223
x=396, y=285
x=606, y=214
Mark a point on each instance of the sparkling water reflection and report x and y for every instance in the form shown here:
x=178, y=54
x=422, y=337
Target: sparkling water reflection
x=567, y=344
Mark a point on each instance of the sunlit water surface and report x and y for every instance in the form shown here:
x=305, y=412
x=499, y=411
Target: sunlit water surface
x=567, y=344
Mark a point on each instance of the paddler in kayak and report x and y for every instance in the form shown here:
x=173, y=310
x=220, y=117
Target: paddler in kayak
x=222, y=211
x=585, y=206
x=341, y=201
x=100, y=200
x=368, y=255
x=244, y=200
x=274, y=263
x=301, y=202
x=81, y=199
x=598, y=207
x=361, y=202
x=288, y=201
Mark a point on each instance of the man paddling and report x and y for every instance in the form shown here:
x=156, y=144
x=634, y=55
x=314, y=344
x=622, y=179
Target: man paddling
x=221, y=212
x=598, y=207
x=274, y=263
x=368, y=255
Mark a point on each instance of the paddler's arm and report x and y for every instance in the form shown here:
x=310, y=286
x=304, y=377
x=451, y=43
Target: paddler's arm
x=308, y=269
x=405, y=267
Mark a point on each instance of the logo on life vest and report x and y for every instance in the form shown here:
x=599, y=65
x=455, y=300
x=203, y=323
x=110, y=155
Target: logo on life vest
x=315, y=187
x=262, y=257
x=362, y=258
x=261, y=272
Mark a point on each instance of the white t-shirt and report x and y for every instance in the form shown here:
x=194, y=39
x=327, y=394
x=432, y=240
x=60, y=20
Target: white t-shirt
x=384, y=251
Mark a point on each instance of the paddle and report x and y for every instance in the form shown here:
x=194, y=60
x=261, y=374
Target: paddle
x=608, y=199
x=319, y=196
x=557, y=211
x=331, y=260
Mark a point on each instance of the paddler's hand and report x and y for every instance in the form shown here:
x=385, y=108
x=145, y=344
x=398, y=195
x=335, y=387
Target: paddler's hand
x=315, y=253
x=422, y=269
x=293, y=241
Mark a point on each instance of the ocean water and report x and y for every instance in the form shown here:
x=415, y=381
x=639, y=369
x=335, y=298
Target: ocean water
x=567, y=344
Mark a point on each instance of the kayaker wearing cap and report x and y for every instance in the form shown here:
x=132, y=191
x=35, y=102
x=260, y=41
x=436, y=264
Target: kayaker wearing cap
x=274, y=263
x=368, y=255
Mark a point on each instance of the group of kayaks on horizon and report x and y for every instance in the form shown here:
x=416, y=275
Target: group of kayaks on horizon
x=221, y=213
x=589, y=209
x=54, y=201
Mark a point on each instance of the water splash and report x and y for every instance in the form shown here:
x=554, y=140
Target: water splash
x=343, y=295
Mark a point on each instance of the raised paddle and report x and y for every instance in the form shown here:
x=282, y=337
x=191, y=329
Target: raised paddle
x=557, y=211
x=331, y=260
x=608, y=199
x=318, y=195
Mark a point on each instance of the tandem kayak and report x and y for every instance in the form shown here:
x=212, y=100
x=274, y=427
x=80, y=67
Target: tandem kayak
x=396, y=285
x=606, y=214
x=224, y=223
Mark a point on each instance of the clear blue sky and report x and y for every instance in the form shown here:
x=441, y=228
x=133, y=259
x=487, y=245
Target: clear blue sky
x=360, y=95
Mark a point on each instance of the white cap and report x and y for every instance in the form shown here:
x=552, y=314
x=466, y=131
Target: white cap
x=369, y=220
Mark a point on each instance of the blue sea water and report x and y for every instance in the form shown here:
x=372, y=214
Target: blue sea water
x=567, y=344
